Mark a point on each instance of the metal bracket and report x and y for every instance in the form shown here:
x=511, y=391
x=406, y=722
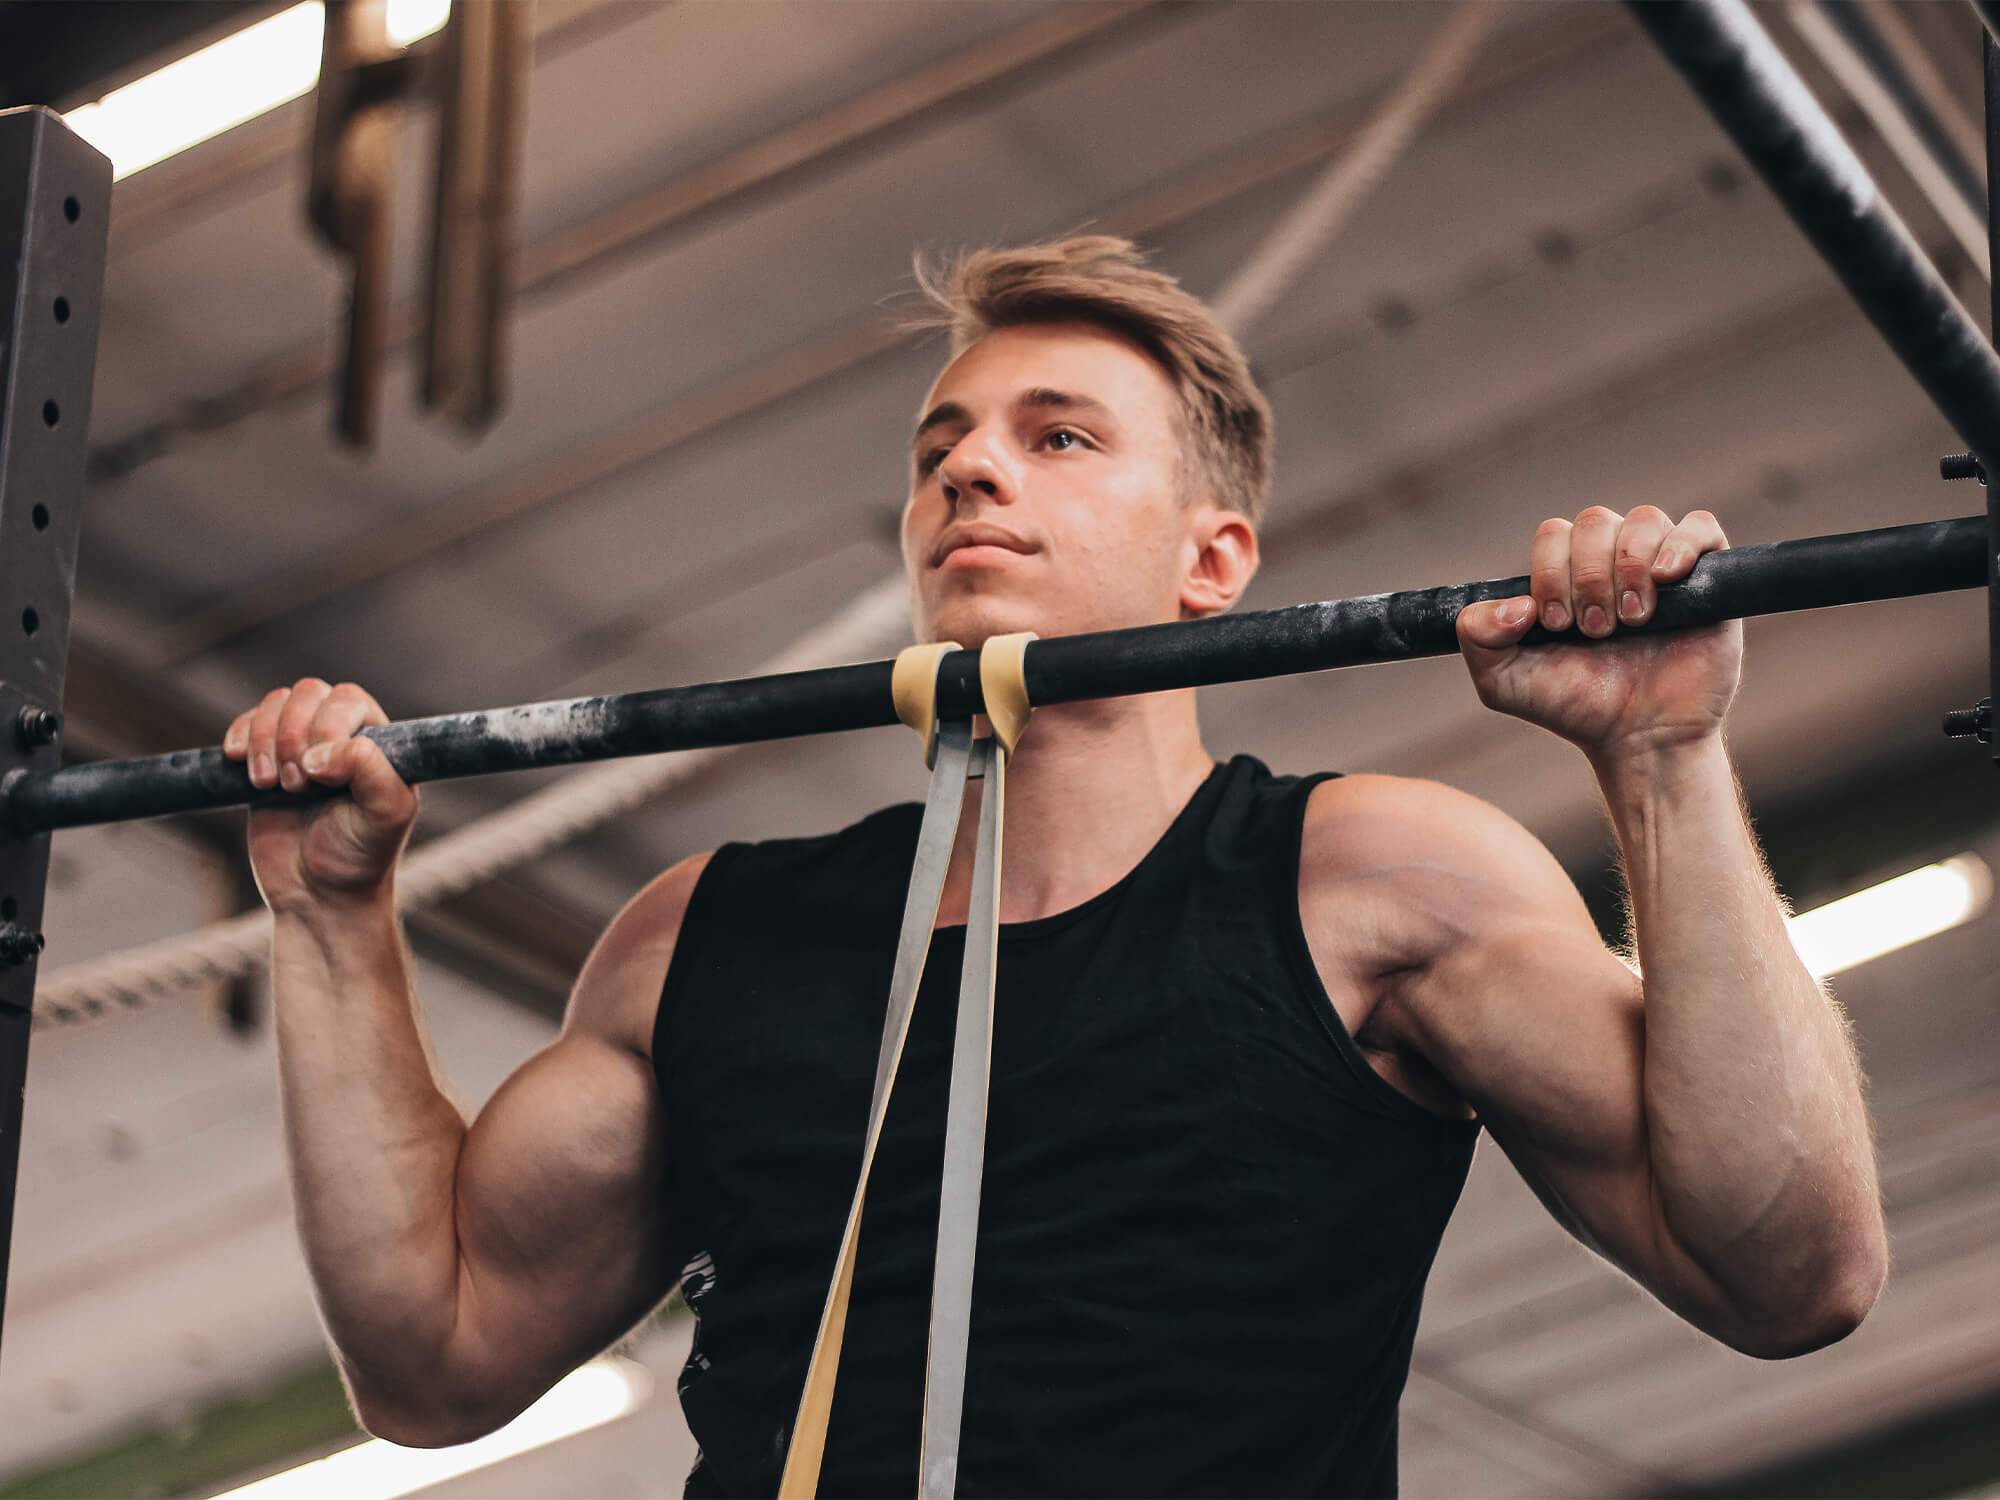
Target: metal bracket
x=1977, y=722
x=476, y=71
x=55, y=211
x=1990, y=58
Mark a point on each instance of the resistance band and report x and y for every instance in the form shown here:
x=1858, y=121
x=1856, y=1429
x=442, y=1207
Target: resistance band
x=955, y=758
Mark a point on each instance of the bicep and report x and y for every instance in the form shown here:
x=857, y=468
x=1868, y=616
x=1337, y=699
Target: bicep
x=561, y=1212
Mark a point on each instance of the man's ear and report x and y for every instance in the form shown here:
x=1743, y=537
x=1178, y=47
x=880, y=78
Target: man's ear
x=1223, y=560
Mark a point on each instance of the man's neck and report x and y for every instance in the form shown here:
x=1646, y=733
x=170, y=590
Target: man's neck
x=1091, y=791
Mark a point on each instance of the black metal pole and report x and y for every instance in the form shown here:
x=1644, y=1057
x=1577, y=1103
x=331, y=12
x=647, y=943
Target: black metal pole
x=1989, y=13
x=1861, y=34
x=55, y=213
x=1989, y=53
x=1771, y=578
x=1766, y=108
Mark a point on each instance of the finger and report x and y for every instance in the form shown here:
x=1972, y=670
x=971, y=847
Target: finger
x=1639, y=539
x=361, y=767
x=345, y=709
x=1496, y=624
x=1697, y=533
x=236, y=739
x=308, y=694
x=1548, y=572
x=262, y=737
x=1593, y=580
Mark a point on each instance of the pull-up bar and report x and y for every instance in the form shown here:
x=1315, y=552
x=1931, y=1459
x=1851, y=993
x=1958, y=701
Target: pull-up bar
x=1770, y=578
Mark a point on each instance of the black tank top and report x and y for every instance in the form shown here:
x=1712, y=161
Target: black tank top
x=1206, y=1221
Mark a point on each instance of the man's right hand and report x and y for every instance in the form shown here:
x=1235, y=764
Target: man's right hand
x=342, y=851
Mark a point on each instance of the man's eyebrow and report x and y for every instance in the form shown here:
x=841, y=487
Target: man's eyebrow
x=1040, y=397
x=1048, y=398
x=939, y=416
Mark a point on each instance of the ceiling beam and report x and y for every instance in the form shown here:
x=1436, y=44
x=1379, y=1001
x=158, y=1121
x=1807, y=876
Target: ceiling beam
x=1602, y=396
x=1516, y=58
x=797, y=157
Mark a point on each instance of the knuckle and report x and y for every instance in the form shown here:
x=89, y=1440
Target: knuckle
x=1597, y=513
x=309, y=685
x=1591, y=577
x=1651, y=514
x=1554, y=526
x=1634, y=554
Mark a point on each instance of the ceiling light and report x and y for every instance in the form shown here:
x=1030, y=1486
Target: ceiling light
x=237, y=79
x=410, y=20
x=600, y=1392
x=1892, y=915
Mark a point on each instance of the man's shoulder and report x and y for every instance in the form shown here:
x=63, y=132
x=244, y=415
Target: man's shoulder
x=891, y=826
x=615, y=994
x=1439, y=868
x=802, y=880
x=1426, y=840
x=1372, y=816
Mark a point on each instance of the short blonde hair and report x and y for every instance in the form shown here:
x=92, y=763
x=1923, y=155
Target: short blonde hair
x=1104, y=280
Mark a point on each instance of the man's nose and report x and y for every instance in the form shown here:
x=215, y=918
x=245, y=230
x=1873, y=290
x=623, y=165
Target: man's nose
x=976, y=469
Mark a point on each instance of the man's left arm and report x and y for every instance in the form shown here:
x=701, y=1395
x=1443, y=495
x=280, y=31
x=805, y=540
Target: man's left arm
x=1749, y=1197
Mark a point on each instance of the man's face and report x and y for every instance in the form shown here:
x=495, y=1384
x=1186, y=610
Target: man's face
x=1046, y=490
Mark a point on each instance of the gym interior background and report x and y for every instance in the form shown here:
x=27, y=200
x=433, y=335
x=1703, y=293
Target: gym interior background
x=1567, y=290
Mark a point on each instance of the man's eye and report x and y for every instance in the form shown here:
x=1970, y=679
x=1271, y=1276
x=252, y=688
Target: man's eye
x=1062, y=440
x=928, y=461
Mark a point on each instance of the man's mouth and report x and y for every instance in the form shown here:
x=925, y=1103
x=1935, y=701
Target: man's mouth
x=977, y=540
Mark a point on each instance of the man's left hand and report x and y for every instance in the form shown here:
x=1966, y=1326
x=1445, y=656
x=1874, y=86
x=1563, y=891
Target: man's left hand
x=1610, y=698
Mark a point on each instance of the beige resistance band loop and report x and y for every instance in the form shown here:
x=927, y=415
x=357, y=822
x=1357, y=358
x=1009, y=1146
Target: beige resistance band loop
x=1002, y=684
x=948, y=747
x=955, y=759
x=913, y=689
x=949, y=1347
x=1003, y=663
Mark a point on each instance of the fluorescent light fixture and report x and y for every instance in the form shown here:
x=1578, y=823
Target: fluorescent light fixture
x=237, y=79
x=1892, y=915
x=410, y=20
x=600, y=1392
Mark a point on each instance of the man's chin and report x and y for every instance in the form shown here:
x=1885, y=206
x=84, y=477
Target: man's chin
x=971, y=622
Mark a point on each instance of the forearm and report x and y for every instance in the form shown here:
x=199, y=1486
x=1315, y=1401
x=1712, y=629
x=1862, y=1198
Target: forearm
x=1756, y=1126
x=373, y=1139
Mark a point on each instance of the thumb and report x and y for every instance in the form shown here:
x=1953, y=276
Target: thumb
x=359, y=765
x=375, y=786
x=1495, y=626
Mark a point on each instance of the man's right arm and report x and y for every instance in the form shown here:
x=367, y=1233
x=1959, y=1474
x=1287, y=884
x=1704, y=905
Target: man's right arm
x=460, y=1269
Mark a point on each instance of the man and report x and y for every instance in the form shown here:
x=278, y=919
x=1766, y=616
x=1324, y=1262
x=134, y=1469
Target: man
x=1247, y=1026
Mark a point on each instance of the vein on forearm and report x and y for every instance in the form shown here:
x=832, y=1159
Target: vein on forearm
x=1751, y=1087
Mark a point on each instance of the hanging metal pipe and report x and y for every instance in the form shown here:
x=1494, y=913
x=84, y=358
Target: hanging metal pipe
x=1989, y=13
x=1853, y=47
x=1766, y=108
